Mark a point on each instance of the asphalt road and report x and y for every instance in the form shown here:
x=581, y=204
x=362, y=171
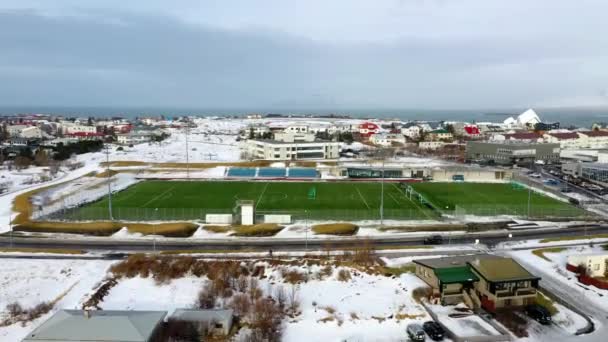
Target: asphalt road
x=488, y=238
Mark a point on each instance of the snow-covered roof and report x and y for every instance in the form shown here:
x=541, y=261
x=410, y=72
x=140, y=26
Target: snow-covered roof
x=528, y=117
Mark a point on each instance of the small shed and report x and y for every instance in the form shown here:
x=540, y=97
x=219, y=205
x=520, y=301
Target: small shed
x=212, y=321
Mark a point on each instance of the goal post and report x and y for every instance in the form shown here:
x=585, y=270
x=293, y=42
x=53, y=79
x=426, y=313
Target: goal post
x=312, y=193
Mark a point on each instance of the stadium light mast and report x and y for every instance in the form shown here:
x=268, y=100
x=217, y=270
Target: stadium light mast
x=382, y=196
x=187, y=150
x=107, y=150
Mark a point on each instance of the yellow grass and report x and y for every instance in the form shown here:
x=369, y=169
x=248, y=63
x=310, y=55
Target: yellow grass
x=40, y=250
x=106, y=228
x=545, y=301
x=263, y=229
x=335, y=229
x=575, y=238
x=217, y=229
x=397, y=271
x=206, y=251
x=426, y=228
x=126, y=163
x=541, y=252
x=104, y=174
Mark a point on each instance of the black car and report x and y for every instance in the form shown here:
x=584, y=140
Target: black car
x=539, y=313
x=434, y=330
x=433, y=240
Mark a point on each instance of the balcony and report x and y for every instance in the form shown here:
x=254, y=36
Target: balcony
x=523, y=292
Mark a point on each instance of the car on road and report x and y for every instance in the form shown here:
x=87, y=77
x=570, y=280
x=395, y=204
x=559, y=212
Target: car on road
x=434, y=330
x=539, y=313
x=415, y=332
x=535, y=175
x=433, y=240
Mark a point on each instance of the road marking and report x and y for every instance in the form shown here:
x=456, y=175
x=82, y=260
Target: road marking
x=157, y=197
x=262, y=194
x=362, y=198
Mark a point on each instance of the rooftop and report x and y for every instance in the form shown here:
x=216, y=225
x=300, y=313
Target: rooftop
x=500, y=269
x=455, y=274
x=455, y=262
x=193, y=315
x=522, y=136
x=106, y=325
x=595, y=133
x=564, y=136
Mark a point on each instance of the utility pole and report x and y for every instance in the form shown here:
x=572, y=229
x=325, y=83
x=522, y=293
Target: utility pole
x=154, y=231
x=109, y=182
x=187, y=151
x=10, y=226
x=529, y=197
x=382, y=196
x=306, y=230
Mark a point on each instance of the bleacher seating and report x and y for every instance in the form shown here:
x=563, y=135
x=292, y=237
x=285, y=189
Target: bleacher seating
x=272, y=172
x=302, y=173
x=241, y=172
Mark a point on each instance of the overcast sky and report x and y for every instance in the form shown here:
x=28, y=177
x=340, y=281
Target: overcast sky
x=428, y=54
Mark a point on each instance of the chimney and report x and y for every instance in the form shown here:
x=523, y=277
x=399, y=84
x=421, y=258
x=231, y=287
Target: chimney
x=87, y=313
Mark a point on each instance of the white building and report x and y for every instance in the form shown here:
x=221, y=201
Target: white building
x=565, y=139
x=297, y=129
x=292, y=147
x=387, y=139
x=15, y=130
x=595, y=265
x=134, y=138
x=75, y=128
x=411, y=131
x=431, y=145
x=31, y=132
x=594, y=139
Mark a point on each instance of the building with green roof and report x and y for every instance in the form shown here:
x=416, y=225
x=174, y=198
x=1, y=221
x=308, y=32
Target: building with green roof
x=479, y=280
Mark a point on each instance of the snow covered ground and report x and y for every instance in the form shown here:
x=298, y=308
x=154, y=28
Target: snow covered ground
x=30, y=282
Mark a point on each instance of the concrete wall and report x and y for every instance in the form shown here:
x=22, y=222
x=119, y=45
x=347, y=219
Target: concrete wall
x=218, y=218
x=473, y=175
x=281, y=219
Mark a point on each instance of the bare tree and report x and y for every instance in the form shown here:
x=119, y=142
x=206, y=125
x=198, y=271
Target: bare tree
x=293, y=300
x=280, y=296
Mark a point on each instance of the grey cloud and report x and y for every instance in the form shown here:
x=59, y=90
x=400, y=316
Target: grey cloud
x=119, y=58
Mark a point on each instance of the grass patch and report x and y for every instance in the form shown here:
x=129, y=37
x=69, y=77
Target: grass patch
x=492, y=199
x=190, y=200
x=128, y=163
x=40, y=250
x=545, y=301
x=575, y=238
x=104, y=174
x=425, y=228
x=397, y=271
x=206, y=251
x=541, y=252
x=263, y=229
x=335, y=229
x=177, y=229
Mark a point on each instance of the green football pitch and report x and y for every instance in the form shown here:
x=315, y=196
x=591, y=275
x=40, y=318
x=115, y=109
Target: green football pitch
x=491, y=199
x=174, y=200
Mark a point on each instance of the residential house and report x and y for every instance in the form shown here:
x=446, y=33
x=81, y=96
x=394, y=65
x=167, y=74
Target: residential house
x=31, y=132
x=368, y=129
x=15, y=130
x=431, y=145
x=387, y=139
x=439, y=135
x=565, y=139
x=528, y=137
x=102, y=325
x=593, y=265
x=215, y=322
x=480, y=280
x=594, y=139
x=137, y=137
x=503, y=283
x=411, y=130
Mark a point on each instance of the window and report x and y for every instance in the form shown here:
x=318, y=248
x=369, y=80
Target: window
x=596, y=267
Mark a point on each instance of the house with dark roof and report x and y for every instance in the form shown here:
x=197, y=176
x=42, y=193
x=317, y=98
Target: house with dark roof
x=565, y=139
x=479, y=280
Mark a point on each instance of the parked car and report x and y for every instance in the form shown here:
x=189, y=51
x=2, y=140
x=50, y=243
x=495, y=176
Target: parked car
x=539, y=313
x=415, y=332
x=434, y=330
x=433, y=240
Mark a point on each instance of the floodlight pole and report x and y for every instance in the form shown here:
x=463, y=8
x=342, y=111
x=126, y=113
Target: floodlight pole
x=10, y=226
x=187, y=151
x=154, y=231
x=382, y=196
x=529, y=197
x=109, y=183
x=306, y=231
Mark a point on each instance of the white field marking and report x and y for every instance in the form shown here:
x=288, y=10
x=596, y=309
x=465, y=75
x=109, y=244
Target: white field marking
x=157, y=197
x=394, y=199
x=415, y=204
x=362, y=198
x=261, y=195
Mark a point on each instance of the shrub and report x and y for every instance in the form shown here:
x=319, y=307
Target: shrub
x=293, y=276
x=421, y=292
x=241, y=304
x=205, y=299
x=335, y=229
x=344, y=275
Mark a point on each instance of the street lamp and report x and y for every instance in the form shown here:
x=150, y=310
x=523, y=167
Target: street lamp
x=154, y=230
